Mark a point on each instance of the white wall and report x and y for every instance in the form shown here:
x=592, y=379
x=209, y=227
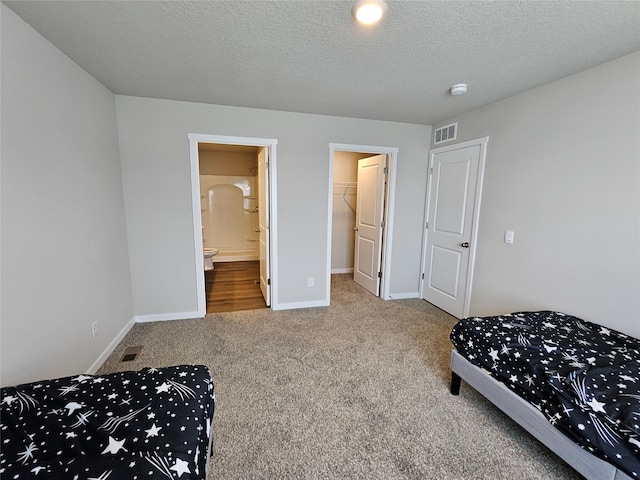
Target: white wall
x=64, y=250
x=563, y=172
x=155, y=161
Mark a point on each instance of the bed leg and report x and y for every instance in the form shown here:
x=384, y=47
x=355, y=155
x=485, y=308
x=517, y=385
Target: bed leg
x=455, y=383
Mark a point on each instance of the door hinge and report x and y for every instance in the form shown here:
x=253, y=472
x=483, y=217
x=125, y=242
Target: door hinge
x=426, y=225
x=423, y=276
x=268, y=281
x=385, y=170
x=382, y=224
x=379, y=274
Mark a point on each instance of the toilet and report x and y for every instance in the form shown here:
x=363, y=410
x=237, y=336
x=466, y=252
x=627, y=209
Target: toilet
x=209, y=253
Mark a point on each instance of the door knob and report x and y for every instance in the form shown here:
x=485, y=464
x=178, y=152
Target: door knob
x=465, y=245
x=355, y=229
x=258, y=230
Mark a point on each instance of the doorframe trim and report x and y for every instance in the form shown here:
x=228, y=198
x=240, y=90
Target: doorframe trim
x=270, y=143
x=389, y=201
x=482, y=142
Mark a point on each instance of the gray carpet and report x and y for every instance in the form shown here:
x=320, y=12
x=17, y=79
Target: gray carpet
x=358, y=390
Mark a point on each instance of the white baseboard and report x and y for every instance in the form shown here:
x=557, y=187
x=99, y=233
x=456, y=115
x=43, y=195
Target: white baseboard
x=324, y=303
x=402, y=296
x=162, y=317
x=111, y=347
x=341, y=270
x=292, y=306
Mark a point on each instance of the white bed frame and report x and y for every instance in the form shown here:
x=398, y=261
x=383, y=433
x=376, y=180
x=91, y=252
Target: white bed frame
x=531, y=419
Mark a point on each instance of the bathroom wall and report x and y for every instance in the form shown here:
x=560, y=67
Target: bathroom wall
x=222, y=162
x=229, y=221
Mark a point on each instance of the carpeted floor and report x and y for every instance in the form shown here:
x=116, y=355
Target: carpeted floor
x=358, y=390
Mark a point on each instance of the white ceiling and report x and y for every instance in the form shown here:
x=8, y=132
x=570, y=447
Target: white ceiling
x=310, y=55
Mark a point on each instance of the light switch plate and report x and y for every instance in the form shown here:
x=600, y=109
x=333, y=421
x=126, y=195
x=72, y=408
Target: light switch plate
x=508, y=236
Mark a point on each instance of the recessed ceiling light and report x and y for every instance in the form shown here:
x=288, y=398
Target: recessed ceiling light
x=369, y=12
x=459, y=89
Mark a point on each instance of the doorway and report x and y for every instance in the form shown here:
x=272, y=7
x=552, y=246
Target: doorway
x=257, y=229
x=367, y=257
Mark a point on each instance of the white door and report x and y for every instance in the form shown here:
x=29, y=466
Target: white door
x=455, y=182
x=263, y=223
x=369, y=214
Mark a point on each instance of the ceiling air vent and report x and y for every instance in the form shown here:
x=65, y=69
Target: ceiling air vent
x=444, y=134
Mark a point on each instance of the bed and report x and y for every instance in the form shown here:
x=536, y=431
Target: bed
x=151, y=424
x=573, y=384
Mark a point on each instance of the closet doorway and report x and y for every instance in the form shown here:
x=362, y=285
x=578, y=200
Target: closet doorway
x=233, y=187
x=361, y=214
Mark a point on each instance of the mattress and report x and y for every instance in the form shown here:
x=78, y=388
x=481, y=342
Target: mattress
x=584, y=378
x=150, y=424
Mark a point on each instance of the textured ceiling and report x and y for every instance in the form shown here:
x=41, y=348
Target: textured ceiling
x=310, y=56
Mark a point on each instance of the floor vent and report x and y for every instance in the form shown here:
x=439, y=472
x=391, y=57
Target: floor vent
x=446, y=133
x=131, y=353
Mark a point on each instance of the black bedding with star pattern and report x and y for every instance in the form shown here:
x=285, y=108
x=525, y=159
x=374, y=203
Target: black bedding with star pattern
x=585, y=378
x=151, y=424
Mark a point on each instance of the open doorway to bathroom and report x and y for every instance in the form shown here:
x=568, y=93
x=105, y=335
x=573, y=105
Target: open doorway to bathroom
x=230, y=233
x=233, y=225
x=361, y=214
x=229, y=202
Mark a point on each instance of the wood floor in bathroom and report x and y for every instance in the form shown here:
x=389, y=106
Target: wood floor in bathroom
x=233, y=286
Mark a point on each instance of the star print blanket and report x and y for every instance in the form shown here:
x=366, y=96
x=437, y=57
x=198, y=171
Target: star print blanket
x=151, y=424
x=583, y=377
